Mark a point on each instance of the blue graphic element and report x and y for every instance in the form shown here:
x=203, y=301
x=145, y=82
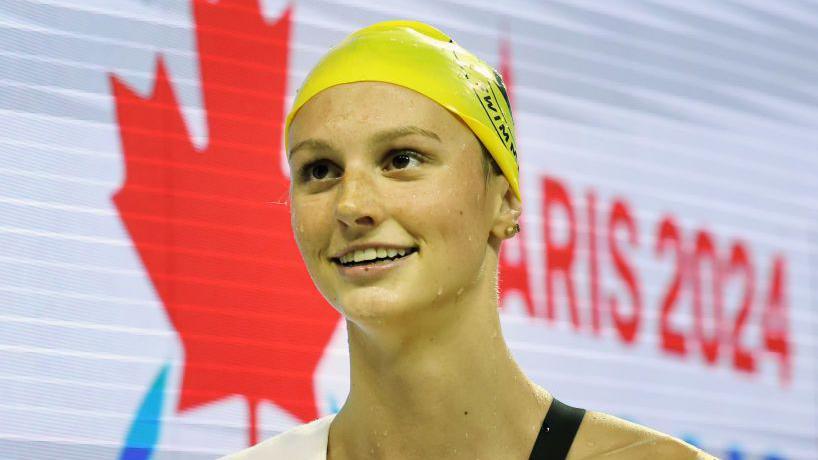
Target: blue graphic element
x=144, y=433
x=690, y=439
x=735, y=453
x=333, y=405
x=773, y=457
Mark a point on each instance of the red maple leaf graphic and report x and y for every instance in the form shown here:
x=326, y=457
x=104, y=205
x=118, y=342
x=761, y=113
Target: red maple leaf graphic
x=223, y=260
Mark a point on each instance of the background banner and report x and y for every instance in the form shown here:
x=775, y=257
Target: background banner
x=153, y=303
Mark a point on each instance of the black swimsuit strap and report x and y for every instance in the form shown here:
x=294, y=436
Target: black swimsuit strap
x=557, y=432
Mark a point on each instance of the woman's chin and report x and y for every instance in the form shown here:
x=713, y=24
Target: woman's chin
x=373, y=304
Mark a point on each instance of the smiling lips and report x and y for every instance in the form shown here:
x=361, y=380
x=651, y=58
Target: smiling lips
x=367, y=256
x=370, y=269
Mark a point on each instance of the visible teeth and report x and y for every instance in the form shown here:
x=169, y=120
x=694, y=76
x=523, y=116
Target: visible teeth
x=372, y=254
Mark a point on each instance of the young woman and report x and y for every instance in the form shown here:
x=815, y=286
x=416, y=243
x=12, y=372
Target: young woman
x=404, y=185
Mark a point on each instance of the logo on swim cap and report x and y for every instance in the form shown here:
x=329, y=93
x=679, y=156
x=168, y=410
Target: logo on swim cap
x=500, y=119
x=483, y=79
x=502, y=87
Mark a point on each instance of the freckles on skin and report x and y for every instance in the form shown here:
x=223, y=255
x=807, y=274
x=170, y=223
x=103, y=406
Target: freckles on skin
x=431, y=207
x=311, y=231
x=461, y=233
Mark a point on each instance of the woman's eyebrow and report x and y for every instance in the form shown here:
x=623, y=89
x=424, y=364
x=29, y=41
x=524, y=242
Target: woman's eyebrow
x=390, y=134
x=314, y=144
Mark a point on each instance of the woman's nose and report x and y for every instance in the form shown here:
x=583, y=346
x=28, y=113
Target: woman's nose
x=358, y=204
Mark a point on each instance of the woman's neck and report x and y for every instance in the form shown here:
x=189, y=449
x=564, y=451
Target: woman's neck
x=443, y=385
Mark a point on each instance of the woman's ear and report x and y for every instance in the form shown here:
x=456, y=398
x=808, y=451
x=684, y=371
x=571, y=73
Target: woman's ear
x=507, y=218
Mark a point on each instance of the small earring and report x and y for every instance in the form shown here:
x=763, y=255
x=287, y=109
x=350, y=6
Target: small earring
x=512, y=229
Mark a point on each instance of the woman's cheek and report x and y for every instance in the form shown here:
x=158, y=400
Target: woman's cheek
x=308, y=230
x=297, y=225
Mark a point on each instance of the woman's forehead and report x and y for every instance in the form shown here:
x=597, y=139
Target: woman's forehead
x=366, y=107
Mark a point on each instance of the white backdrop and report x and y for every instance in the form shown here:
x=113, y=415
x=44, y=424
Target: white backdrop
x=669, y=159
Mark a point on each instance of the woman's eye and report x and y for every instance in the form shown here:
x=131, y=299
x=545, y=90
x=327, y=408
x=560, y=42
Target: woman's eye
x=318, y=170
x=403, y=158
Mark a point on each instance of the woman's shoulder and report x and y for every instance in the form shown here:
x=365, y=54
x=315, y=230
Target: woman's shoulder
x=602, y=434
x=303, y=442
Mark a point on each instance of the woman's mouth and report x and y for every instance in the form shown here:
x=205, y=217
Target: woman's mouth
x=370, y=266
x=373, y=257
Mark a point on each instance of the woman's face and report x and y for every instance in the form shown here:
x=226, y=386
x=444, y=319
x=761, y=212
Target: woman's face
x=376, y=165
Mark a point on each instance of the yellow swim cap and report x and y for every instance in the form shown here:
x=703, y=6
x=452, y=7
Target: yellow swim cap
x=424, y=59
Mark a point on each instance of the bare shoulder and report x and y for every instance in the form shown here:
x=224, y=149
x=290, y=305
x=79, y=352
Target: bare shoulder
x=607, y=437
x=307, y=441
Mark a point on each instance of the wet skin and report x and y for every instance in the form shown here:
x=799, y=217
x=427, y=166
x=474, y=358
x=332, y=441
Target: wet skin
x=400, y=170
x=431, y=374
x=375, y=162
